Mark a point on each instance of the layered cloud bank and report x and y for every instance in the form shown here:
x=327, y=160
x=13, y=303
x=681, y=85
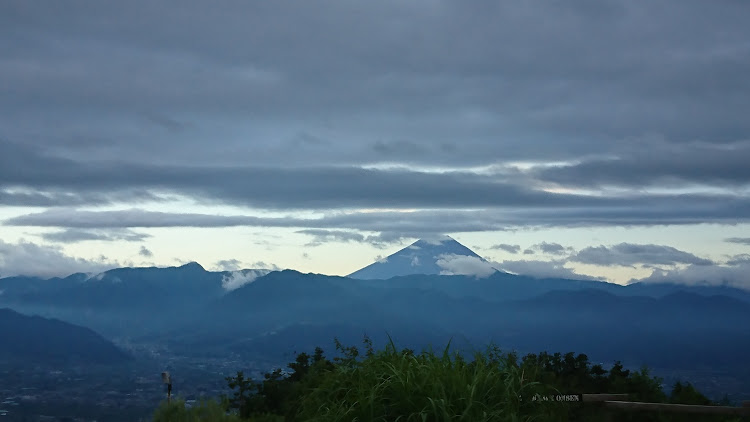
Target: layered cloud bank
x=338, y=131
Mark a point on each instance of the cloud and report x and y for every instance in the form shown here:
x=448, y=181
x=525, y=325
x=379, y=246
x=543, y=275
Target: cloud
x=72, y=218
x=30, y=259
x=452, y=264
x=48, y=199
x=415, y=261
x=323, y=236
x=228, y=265
x=656, y=162
x=309, y=187
x=628, y=254
x=304, y=79
x=145, y=252
x=553, y=248
x=504, y=198
x=739, y=240
x=74, y=235
x=730, y=275
x=392, y=225
x=236, y=279
x=739, y=259
x=362, y=119
x=264, y=266
x=514, y=249
x=381, y=240
x=528, y=252
x=436, y=239
x=542, y=269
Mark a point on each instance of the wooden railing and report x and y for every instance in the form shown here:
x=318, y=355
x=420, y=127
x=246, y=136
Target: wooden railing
x=620, y=402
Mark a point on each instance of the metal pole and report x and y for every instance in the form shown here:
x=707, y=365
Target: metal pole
x=166, y=379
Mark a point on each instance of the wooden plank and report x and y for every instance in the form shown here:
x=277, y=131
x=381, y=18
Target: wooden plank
x=677, y=408
x=596, y=398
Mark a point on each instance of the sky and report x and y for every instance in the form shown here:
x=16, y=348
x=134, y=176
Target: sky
x=585, y=138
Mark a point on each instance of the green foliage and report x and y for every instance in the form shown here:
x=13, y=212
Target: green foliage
x=241, y=397
x=687, y=394
x=401, y=385
x=392, y=384
x=277, y=394
x=205, y=411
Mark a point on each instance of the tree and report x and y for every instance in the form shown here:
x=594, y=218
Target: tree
x=240, y=399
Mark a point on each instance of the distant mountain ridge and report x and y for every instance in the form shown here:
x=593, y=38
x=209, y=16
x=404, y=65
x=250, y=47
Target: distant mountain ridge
x=264, y=314
x=121, y=299
x=41, y=341
x=441, y=255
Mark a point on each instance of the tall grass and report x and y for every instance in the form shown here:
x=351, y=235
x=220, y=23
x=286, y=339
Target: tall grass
x=392, y=385
x=204, y=411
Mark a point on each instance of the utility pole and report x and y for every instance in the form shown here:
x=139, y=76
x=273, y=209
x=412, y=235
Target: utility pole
x=165, y=378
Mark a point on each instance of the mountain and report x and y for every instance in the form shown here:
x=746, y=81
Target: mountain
x=124, y=300
x=680, y=330
x=288, y=310
x=41, y=341
x=442, y=255
x=202, y=311
x=664, y=289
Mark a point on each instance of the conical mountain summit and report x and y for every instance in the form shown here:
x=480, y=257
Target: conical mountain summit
x=443, y=255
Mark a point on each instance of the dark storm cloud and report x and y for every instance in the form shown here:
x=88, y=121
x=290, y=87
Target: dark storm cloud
x=74, y=235
x=278, y=105
x=659, y=164
x=379, y=81
x=138, y=218
x=394, y=226
x=628, y=254
x=514, y=249
x=349, y=187
x=40, y=199
x=275, y=187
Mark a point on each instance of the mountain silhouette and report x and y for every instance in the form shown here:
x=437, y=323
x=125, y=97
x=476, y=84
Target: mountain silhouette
x=41, y=341
x=443, y=255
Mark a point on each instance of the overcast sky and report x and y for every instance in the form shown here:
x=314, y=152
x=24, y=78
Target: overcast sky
x=590, y=138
